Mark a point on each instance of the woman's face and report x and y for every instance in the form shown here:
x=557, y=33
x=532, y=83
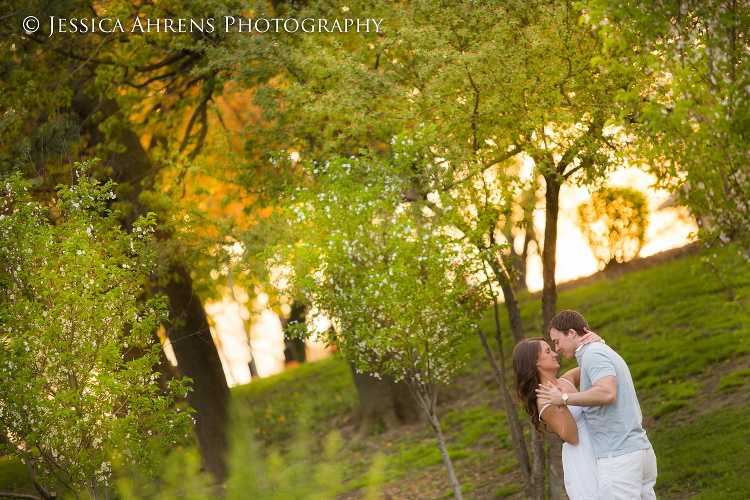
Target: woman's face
x=547, y=360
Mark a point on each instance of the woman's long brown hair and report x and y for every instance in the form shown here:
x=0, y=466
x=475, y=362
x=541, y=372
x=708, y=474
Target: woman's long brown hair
x=525, y=355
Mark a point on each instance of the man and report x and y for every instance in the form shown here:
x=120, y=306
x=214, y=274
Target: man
x=625, y=459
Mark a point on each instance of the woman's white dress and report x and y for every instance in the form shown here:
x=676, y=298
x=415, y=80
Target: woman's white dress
x=579, y=461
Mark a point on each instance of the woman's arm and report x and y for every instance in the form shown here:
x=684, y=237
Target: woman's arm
x=562, y=422
x=573, y=376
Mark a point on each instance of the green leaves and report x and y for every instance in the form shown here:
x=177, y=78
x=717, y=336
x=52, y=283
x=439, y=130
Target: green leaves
x=390, y=278
x=689, y=110
x=70, y=314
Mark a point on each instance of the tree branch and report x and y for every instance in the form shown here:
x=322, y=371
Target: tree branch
x=594, y=131
x=46, y=495
x=166, y=62
x=72, y=55
x=201, y=134
x=517, y=148
x=199, y=111
x=18, y=495
x=150, y=80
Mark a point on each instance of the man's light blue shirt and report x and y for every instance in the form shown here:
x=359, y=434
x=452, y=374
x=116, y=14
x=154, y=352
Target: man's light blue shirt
x=614, y=428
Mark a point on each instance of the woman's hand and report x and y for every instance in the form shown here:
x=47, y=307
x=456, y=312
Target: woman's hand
x=590, y=337
x=549, y=394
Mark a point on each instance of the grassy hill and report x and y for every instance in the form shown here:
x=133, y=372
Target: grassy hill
x=688, y=349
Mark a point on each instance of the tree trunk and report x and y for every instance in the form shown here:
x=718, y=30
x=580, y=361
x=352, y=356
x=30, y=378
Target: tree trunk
x=383, y=400
x=197, y=358
x=190, y=336
x=425, y=396
x=549, y=309
x=511, y=304
x=446, y=457
x=250, y=364
x=534, y=480
x=554, y=458
x=519, y=266
x=532, y=470
x=295, y=348
x=535, y=487
x=514, y=423
x=549, y=253
x=521, y=283
x=514, y=312
x=42, y=489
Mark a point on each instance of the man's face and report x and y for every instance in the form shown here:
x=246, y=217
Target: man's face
x=565, y=344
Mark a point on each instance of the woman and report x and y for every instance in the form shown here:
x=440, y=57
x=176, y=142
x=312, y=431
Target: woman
x=535, y=363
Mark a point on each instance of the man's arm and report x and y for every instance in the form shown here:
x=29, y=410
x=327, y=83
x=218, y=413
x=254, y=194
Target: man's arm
x=604, y=392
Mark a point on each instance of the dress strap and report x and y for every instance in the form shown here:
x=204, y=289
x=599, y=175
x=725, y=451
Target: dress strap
x=543, y=408
x=568, y=381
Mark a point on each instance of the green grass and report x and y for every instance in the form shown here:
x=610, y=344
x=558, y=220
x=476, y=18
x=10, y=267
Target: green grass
x=734, y=380
x=478, y=423
x=669, y=407
x=684, y=390
x=313, y=395
x=506, y=491
x=674, y=328
x=14, y=476
x=708, y=457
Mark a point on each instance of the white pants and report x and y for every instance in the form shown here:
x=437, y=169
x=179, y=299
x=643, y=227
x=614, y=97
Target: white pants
x=627, y=477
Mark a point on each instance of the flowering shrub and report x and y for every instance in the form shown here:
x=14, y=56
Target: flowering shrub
x=392, y=278
x=70, y=282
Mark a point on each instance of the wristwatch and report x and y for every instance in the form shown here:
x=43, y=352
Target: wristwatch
x=565, y=399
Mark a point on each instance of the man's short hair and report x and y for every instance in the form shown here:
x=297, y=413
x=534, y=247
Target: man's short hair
x=567, y=320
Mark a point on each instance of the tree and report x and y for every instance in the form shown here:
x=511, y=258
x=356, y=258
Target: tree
x=130, y=97
x=500, y=81
x=390, y=279
x=71, y=401
x=614, y=223
x=691, y=114
x=476, y=214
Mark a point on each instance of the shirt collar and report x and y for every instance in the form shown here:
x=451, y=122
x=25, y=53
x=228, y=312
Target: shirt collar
x=580, y=348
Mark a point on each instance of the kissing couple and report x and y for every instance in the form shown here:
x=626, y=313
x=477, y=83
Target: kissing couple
x=606, y=454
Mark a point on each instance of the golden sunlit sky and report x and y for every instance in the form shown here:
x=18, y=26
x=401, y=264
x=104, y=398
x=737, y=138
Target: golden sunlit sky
x=668, y=228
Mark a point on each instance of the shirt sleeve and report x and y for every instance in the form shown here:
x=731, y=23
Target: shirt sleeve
x=597, y=365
